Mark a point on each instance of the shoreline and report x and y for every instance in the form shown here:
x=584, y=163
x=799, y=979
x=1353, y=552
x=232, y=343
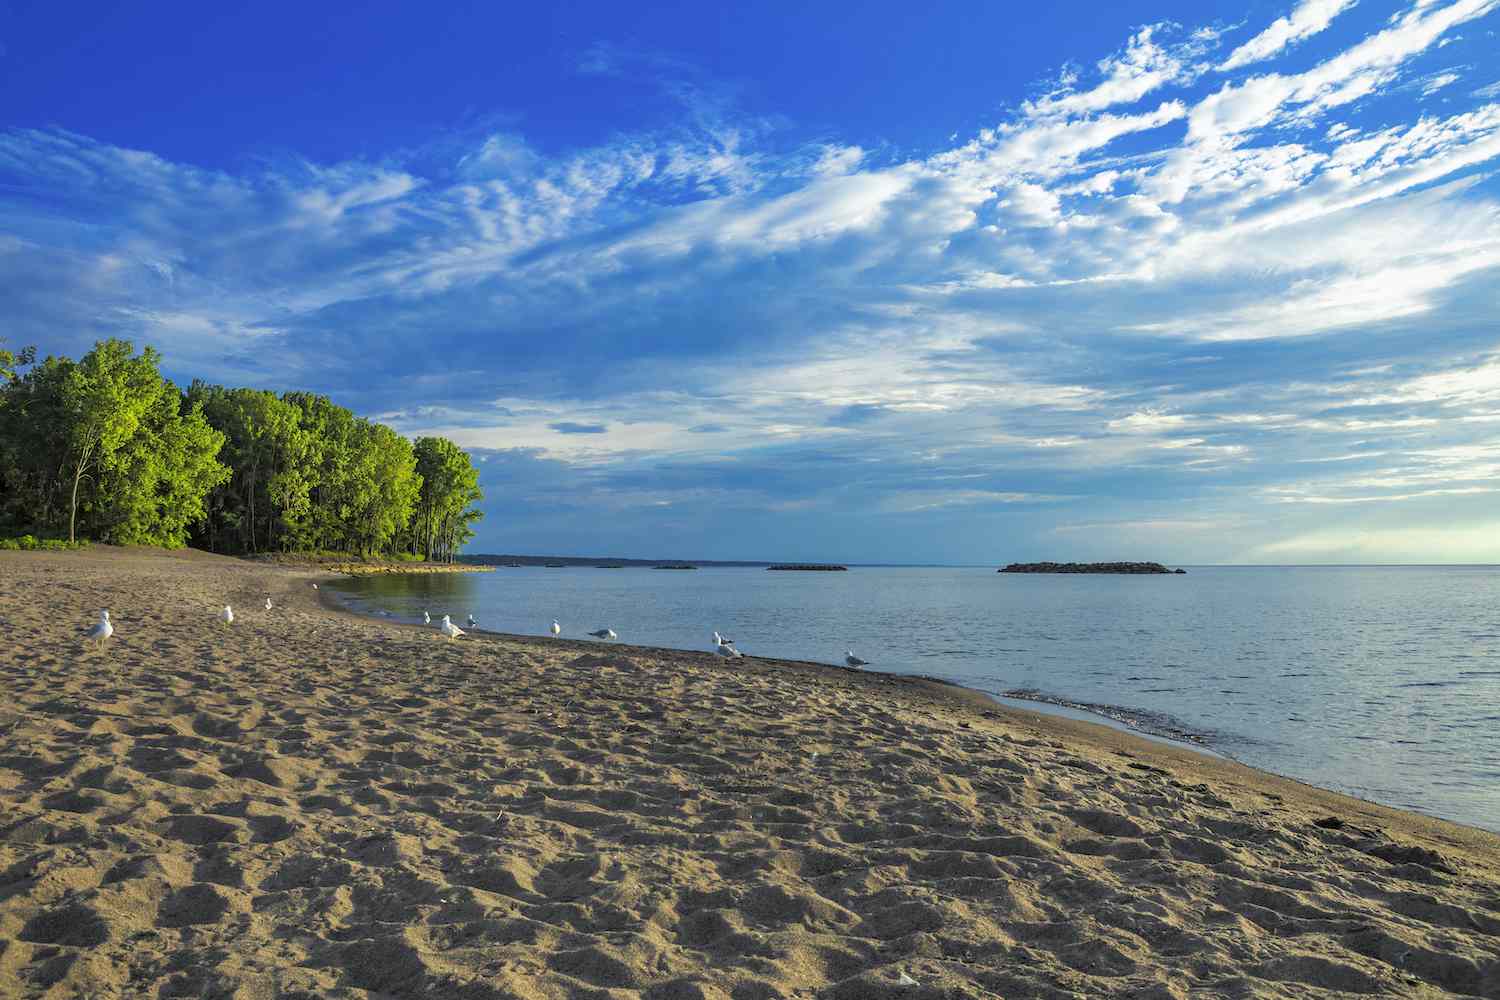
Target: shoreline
x=1036, y=710
x=314, y=801
x=1043, y=705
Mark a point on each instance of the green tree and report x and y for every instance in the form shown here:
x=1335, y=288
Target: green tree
x=10, y=361
x=104, y=396
x=104, y=445
x=444, y=511
x=385, y=487
x=155, y=486
x=267, y=451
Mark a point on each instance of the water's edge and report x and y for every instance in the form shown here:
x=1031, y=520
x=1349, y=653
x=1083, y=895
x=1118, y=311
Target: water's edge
x=1122, y=720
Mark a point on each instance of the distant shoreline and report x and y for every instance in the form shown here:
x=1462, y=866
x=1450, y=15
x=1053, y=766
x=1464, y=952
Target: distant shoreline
x=1120, y=568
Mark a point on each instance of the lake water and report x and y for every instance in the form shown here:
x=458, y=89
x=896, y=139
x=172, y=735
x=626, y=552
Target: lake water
x=1382, y=682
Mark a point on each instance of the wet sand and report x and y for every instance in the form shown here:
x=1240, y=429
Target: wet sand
x=309, y=803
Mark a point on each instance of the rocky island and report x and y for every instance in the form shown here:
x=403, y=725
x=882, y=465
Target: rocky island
x=1104, y=567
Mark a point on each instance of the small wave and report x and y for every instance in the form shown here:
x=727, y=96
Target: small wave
x=1143, y=720
x=1427, y=684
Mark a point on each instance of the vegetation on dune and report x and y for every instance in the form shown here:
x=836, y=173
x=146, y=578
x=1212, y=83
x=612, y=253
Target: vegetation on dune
x=30, y=543
x=105, y=448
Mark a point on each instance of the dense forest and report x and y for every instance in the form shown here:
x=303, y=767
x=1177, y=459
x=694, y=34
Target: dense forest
x=105, y=448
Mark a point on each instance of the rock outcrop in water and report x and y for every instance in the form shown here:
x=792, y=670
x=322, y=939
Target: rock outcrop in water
x=1104, y=567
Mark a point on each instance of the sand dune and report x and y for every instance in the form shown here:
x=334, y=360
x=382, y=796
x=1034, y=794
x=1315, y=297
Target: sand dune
x=308, y=804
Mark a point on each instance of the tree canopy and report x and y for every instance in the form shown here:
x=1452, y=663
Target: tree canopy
x=105, y=448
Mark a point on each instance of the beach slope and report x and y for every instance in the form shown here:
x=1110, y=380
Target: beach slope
x=311, y=804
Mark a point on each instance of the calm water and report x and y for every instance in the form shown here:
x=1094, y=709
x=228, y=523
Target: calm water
x=1383, y=682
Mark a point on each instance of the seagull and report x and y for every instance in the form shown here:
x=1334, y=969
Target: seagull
x=727, y=651
x=103, y=630
x=853, y=660
x=315, y=586
x=426, y=618
x=604, y=633
x=556, y=628
x=473, y=621
x=268, y=604
x=720, y=640
x=227, y=615
x=451, y=630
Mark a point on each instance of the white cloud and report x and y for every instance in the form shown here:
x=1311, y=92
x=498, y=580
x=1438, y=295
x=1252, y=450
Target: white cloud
x=1433, y=84
x=1307, y=19
x=710, y=296
x=1144, y=66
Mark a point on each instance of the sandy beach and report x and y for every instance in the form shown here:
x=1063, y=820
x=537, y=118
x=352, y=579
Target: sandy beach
x=308, y=803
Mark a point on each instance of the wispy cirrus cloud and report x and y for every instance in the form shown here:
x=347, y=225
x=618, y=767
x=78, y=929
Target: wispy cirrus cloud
x=1305, y=20
x=707, y=320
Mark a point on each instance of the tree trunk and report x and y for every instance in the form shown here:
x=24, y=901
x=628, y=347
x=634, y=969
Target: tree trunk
x=83, y=461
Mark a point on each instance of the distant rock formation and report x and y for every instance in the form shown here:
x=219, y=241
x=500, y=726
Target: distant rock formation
x=1106, y=567
x=675, y=566
x=810, y=567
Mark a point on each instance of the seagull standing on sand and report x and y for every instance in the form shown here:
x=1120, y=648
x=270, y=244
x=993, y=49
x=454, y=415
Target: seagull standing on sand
x=556, y=629
x=426, y=618
x=451, y=630
x=604, y=633
x=315, y=586
x=227, y=615
x=102, y=630
x=853, y=660
x=268, y=604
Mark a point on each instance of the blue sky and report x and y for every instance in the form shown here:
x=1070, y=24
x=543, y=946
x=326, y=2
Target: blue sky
x=1200, y=282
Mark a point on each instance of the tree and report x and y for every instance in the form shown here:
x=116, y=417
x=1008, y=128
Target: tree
x=267, y=452
x=105, y=445
x=154, y=487
x=10, y=361
x=103, y=398
x=112, y=449
x=450, y=484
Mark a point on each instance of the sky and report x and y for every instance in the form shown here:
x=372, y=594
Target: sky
x=937, y=283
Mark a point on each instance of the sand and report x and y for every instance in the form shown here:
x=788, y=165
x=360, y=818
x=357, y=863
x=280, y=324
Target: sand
x=311, y=804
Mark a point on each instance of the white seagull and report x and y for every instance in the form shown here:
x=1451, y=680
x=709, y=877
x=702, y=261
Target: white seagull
x=426, y=618
x=556, y=628
x=727, y=651
x=268, y=604
x=473, y=621
x=720, y=640
x=604, y=633
x=853, y=660
x=315, y=586
x=227, y=615
x=103, y=630
x=451, y=630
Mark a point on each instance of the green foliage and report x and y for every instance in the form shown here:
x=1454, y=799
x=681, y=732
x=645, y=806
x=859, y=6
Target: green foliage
x=106, y=448
x=10, y=361
x=102, y=447
x=450, y=485
x=31, y=543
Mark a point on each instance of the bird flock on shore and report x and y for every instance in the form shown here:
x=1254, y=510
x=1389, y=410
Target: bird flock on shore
x=723, y=646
